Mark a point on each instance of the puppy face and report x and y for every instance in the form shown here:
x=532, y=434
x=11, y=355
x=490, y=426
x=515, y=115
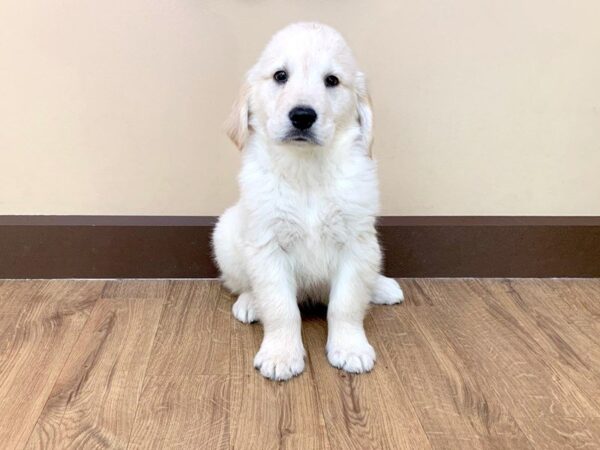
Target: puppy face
x=304, y=89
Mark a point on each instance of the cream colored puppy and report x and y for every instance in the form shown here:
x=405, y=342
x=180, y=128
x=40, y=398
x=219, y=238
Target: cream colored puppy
x=304, y=226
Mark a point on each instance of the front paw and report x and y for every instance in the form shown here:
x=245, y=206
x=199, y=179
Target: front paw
x=351, y=355
x=279, y=362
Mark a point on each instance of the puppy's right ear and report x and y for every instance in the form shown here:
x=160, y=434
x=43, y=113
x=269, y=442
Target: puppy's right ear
x=237, y=124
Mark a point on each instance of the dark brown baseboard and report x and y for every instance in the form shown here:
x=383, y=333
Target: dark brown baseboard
x=179, y=247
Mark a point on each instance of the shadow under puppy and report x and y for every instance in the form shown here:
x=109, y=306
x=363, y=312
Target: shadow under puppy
x=304, y=226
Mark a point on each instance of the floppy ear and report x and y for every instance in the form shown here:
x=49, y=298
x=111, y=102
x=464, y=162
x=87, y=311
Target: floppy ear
x=364, y=112
x=236, y=125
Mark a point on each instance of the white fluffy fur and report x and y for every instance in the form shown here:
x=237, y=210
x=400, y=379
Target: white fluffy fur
x=304, y=224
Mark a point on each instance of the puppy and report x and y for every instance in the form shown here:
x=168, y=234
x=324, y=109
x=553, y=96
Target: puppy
x=304, y=226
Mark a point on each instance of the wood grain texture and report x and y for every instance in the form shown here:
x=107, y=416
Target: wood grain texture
x=104, y=371
x=453, y=407
x=362, y=411
x=39, y=324
x=565, y=335
x=182, y=412
x=185, y=397
x=193, y=332
x=565, y=433
x=463, y=364
x=501, y=352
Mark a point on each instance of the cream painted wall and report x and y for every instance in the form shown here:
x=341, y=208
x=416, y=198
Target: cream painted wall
x=481, y=107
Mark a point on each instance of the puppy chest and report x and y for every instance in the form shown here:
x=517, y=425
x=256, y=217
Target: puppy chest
x=312, y=230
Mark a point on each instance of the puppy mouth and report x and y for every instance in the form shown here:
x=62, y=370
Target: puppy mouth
x=301, y=137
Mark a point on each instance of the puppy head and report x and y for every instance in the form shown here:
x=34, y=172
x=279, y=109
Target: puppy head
x=304, y=90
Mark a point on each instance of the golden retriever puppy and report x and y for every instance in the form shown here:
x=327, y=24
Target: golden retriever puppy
x=304, y=226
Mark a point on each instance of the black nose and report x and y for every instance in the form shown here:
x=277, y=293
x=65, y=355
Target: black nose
x=303, y=117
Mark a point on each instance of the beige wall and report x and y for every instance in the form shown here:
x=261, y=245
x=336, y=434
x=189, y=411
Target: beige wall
x=481, y=107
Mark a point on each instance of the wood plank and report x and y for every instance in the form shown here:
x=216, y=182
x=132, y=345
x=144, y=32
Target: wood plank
x=577, y=299
x=363, y=411
x=184, y=402
x=267, y=414
x=482, y=364
x=136, y=289
x=40, y=323
x=565, y=433
x=92, y=404
x=502, y=354
x=193, y=333
x=185, y=412
x=584, y=312
x=536, y=307
x=452, y=407
x=16, y=304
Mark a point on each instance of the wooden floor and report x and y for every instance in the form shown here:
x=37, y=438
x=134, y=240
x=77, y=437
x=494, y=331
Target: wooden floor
x=506, y=364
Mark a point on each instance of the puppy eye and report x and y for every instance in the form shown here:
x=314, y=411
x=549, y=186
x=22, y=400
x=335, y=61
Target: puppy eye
x=280, y=76
x=331, y=81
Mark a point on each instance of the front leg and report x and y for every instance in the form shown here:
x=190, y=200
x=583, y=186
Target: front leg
x=281, y=354
x=352, y=286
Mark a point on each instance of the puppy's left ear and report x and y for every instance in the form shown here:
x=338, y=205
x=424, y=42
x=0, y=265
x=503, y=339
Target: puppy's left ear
x=237, y=124
x=364, y=112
